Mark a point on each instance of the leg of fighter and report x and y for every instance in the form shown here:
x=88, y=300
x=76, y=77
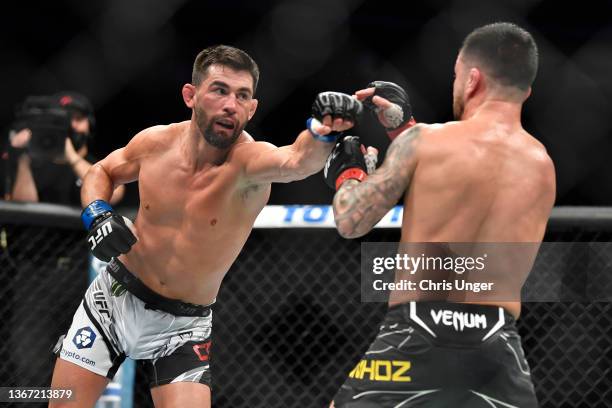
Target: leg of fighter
x=181, y=395
x=86, y=385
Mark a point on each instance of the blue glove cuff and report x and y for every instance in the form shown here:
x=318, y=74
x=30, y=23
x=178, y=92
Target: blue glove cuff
x=331, y=138
x=93, y=211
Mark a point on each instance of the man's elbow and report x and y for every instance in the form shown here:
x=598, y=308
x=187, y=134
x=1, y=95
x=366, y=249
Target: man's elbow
x=348, y=231
x=347, y=234
x=94, y=170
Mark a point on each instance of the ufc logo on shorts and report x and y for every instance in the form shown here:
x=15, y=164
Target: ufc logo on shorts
x=101, y=232
x=100, y=302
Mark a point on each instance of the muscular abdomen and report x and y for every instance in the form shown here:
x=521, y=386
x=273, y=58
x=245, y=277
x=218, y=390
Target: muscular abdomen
x=183, y=264
x=191, y=227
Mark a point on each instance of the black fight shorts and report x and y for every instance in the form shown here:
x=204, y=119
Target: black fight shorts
x=439, y=355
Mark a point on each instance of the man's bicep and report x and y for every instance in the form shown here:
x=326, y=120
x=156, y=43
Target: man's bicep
x=123, y=165
x=119, y=167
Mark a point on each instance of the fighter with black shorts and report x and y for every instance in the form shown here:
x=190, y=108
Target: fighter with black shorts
x=479, y=179
x=441, y=354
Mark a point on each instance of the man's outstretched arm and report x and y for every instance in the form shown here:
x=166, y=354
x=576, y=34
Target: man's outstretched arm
x=266, y=163
x=358, y=206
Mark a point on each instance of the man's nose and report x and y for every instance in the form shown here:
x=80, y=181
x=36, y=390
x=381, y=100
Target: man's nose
x=230, y=104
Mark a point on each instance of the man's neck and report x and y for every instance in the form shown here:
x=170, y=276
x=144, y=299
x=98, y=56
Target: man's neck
x=199, y=152
x=496, y=109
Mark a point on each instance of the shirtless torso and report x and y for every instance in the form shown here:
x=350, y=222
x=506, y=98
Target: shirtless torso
x=192, y=222
x=202, y=183
x=480, y=180
x=478, y=183
x=198, y=203
x=483, y=179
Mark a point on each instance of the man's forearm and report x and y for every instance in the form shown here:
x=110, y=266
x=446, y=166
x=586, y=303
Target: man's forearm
x=24, y=188
x=80, y=166
x=310, y=154
x=357, y=208
x=97, y=185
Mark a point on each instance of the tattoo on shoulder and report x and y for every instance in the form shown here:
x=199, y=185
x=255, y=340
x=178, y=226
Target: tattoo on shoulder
x=359, y=206
x=402, y=150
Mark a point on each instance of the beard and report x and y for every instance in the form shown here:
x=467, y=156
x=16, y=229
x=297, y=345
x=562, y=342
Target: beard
x=215, y=139
x=458, y=107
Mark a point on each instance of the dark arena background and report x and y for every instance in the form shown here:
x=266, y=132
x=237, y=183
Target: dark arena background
x=289, y=324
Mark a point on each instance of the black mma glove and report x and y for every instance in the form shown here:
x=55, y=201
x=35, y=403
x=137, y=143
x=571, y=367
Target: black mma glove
x=346, y=161
x=336, y=105
x=398, y=117
x=109, y=235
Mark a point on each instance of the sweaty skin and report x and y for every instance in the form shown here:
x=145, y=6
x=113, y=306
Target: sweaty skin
x=480, y=179
x=202, y=183
x=198, y=203
x=467, y=181
x=192, y=223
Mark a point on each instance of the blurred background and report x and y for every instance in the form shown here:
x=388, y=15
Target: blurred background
x=132, y=57
x=286, y=323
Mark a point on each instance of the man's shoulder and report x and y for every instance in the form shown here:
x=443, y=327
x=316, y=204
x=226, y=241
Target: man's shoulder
x=434, y=137
x=158, y=136
x=540, y=158
x=434, y=131
x=246, y=146
x=161, y=131
x=439, y=130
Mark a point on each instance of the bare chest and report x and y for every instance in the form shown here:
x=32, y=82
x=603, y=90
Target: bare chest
x=170, y=194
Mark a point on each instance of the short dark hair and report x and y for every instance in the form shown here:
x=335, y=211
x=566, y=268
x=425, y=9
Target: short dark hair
x=227, y=56
x=507, y=53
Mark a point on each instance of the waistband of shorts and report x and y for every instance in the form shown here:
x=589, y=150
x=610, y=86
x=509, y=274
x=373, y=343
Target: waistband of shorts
x=151, y=299
x=453, y=323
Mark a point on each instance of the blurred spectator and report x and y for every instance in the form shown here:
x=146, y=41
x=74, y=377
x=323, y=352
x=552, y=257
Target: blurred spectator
x=48, y=149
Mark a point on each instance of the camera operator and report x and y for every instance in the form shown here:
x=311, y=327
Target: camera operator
x=49, y=149
x=45, y=160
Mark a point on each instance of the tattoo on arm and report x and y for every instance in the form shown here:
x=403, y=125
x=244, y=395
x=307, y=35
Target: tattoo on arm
x=359, y=206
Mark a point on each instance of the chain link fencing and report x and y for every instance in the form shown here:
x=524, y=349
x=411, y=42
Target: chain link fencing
x=288, y=323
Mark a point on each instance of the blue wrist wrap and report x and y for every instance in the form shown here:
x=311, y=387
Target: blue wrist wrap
x=94, y=210
x=331, y=138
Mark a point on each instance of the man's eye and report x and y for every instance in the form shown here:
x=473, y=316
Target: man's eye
x=220, y=91
x=243, y=96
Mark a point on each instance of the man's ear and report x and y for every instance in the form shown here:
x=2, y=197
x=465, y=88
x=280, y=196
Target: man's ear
x=475, y=81
x=253, y=107
x=188, y=93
